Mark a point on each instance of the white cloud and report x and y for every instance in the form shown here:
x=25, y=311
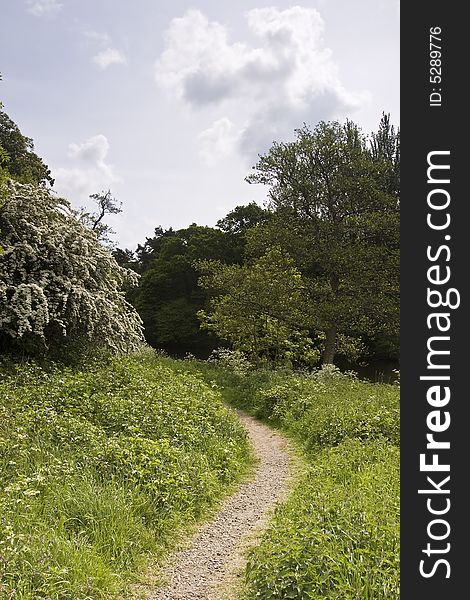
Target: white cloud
x=101, y=38
x=88, y=172
x=266, y=90
x=38, y=8
x=106, y=54
x=217, y=141
x=108, y=57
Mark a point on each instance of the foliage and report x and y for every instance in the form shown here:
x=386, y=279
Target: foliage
x=233, y=360
x=168, y=297
x=20, y=161
x=325, y=408
x=60, y=289
x=334, y=194
x=337, y=536
x=101, y=467
x=242, y=218
x=258, y=308
x=237, y=223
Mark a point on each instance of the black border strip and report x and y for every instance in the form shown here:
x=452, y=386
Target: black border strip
x=434, y=124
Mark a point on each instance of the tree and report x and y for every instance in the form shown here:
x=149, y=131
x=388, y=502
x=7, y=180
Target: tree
x=258, y=308
x=61, y=291
x=107, y=205
x=124, y=258
x=238, y=222
x=385, y=146
x=20, y=161
x=168, y=297
x=242, y=218
x=335, y=199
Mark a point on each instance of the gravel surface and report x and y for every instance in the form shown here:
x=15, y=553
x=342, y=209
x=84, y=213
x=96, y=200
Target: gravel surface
x=208, y=569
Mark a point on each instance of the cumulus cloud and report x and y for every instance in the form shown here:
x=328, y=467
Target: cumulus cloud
x=88, y=172
x=105, y=53
x=265, y=89
x=39, y=8
x=217, y=141
x=108, y=57
x=99, y=37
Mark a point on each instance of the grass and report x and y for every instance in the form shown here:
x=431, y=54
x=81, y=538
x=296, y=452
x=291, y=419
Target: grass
x=337, y=536
x=102, y=467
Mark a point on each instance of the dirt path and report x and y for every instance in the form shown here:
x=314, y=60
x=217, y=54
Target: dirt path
x=210, y=567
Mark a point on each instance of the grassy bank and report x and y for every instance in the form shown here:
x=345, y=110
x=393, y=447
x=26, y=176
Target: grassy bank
x=337, y=536
x=100, y=466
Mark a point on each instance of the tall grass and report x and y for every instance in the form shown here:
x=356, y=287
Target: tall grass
x=100, y=467
x=337, y=536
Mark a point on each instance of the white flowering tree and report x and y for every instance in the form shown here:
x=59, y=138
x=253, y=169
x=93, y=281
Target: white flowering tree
x=61, y=291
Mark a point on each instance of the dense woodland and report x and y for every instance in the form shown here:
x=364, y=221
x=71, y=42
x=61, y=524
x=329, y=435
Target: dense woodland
x=312, y=276
x=316, y=272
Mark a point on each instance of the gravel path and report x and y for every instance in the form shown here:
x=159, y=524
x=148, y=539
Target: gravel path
x=208, y=569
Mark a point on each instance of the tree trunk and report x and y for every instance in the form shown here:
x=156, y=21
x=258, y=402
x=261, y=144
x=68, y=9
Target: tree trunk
x=330, y=346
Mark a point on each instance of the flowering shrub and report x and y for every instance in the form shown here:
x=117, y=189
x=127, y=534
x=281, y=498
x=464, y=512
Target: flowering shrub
x=60, y=289
x=330, y=372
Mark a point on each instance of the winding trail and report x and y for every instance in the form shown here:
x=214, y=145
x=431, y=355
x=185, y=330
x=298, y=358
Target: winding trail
x=208, y=569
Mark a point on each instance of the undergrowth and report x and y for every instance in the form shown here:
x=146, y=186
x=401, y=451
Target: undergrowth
x=100, y=468
x=337, y=536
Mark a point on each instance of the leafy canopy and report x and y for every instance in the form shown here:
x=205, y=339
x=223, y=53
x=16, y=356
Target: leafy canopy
x=17, y=156
x=258, y=307
x=334, y=195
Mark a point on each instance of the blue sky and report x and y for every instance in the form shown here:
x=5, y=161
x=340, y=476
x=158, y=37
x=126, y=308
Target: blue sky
x=169, y=103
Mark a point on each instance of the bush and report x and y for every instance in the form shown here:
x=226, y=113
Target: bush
x=61, y=291
x=235, y=361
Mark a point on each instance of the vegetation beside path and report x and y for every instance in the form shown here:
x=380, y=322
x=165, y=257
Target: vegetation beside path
x=100, y=467
x=337, y=536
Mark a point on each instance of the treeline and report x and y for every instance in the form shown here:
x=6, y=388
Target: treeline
x=313, y=276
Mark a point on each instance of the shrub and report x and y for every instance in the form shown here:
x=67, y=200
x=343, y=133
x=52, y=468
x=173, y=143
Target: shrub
x=61, y=291
x=235, y=361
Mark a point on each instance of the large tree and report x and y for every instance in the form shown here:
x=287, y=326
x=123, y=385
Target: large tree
x=334, y=194
x=17, y=155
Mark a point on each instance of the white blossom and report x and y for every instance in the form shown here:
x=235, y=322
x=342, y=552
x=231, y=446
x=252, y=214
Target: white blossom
x=59, y=287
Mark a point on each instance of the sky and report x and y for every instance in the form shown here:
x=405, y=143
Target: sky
x=169, y=104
